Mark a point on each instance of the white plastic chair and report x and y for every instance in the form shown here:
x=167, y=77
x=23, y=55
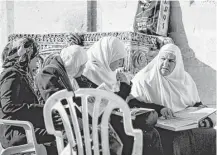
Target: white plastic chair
x=114, y=102
x=53, y=103
x=31, y=146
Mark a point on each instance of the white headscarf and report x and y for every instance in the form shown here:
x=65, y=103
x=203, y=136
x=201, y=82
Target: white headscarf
x=100, y=55
x=73, y=58
x=175, y=91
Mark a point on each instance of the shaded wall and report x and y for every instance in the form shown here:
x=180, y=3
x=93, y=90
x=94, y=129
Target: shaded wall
x=50, y=16
x=192, y=27
x=41, y=17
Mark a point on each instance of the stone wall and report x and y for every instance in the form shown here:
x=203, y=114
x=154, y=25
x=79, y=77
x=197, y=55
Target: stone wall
x=193, y=29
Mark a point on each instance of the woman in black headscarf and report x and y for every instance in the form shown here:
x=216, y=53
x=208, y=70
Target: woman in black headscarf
x=18, y=99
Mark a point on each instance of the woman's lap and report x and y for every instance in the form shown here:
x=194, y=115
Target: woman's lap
x=190, y=142
x=151, y=138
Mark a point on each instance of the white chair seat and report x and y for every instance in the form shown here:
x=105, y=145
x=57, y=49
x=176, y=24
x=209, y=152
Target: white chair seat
x=31, y=145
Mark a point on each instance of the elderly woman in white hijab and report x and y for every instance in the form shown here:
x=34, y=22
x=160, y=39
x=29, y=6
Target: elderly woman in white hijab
x=164, y=85
x=104, y=57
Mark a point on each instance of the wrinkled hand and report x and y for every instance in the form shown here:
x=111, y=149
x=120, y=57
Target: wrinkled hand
x=152, y=118
x=91, y=99
x=167, y=113
x=206, y=123
x=57, y=119
x=122, y=78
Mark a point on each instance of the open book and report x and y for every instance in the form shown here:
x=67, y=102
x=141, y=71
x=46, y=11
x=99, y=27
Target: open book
x=185, y=119
x=103, y=86
x=104, y=102
x=134, y=112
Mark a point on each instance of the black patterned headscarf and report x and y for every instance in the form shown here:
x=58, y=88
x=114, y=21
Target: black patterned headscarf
x=8, y=56
x=19, y=53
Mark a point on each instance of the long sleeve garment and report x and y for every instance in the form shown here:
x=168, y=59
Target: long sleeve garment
x=52, y=78
x=19, y=102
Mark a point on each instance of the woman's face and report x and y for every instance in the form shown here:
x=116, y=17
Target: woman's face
x=33, y=65
x=167, y=63
x=80, y=71
x=116, y=64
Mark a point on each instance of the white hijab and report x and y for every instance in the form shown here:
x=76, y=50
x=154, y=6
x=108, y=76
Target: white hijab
x=175, y=91
x=73, y=58
x=100, y=55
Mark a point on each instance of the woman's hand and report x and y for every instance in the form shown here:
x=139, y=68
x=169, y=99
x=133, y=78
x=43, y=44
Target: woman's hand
x=152, y=118
x=57, y=119
x=167, y=113
x=122, y=78
x=206, y=123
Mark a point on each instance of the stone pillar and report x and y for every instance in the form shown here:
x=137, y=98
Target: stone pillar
x=3, y=26
x=6, y=22
x=91, y=15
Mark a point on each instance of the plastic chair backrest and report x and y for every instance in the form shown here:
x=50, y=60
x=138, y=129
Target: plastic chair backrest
x=52, y=104
x=101, y=106
x=110, y=102
x=31, y=146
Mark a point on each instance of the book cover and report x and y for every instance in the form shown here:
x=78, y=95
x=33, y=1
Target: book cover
x=185, y=119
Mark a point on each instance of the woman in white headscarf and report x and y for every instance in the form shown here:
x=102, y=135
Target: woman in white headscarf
x=74, y=59
x=104, y=57
x=61, y=70
x=164, y=84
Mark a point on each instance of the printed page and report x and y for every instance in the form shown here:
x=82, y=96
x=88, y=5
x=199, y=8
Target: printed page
x=139, y=111
x=175, y=124
x=195, y=113
x=134, y=112
x=185, y=119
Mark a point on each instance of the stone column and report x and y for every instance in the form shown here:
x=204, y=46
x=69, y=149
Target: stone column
x=91, y=15
x=6, y=22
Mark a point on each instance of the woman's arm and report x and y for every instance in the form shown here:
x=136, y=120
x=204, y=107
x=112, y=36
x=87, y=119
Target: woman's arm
x=48, y=82
x=139, y=104
x=124, y=90
x=10, y=91
x=13, y=104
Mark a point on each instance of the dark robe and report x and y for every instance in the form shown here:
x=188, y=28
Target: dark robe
x=19, y=102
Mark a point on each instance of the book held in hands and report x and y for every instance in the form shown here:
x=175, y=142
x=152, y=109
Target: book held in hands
x=188, y=118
